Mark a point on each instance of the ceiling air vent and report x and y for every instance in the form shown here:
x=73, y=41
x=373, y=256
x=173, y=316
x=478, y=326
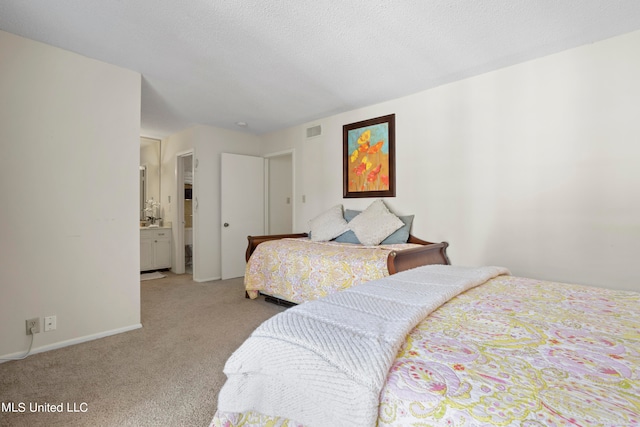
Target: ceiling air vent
x=314, y=131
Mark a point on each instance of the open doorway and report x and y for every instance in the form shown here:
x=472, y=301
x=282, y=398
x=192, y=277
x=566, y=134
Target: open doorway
x=188, y=213
x=187, y=205
x=280, y=193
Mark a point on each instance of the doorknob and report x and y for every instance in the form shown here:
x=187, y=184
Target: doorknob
x=226, y=224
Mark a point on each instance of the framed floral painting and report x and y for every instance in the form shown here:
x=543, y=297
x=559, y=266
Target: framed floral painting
x=368, y=158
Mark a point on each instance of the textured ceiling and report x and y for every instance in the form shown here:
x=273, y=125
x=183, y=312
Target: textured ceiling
x=274, y=64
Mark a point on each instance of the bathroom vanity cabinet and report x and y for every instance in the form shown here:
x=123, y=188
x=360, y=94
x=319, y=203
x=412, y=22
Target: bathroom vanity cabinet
x=155, y=248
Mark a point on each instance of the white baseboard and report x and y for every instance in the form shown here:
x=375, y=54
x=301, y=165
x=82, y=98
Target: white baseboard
x=73, y=341
x=206, y=280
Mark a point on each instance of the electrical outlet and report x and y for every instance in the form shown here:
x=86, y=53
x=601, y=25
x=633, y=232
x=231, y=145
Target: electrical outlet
x=50, y=323
x=33, y=324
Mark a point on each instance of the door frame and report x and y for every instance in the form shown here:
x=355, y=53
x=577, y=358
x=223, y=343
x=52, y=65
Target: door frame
x=178, y=223
x=292, y=152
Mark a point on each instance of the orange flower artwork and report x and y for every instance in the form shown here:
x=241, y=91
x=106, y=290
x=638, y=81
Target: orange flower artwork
x=373, y=175
x=365, y=137
x=369, y=169
x=358, y=170
x=364, y=147
x=354, y=155
x=375, y=148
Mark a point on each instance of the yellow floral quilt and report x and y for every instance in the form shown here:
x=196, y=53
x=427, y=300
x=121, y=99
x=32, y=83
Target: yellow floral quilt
x=513, y=352
x=300, y=270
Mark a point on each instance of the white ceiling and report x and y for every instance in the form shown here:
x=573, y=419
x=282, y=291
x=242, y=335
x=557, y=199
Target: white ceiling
x=274, y=64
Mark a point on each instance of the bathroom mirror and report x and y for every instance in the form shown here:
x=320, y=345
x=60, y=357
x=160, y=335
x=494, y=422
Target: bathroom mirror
x=149, y=172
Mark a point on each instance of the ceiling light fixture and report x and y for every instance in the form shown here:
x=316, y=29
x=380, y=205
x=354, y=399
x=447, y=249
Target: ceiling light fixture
x=242, y=124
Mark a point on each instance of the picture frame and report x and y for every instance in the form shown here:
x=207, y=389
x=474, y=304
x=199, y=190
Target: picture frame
x=368, y=158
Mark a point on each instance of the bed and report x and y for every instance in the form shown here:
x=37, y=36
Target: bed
x=291, y=268
x=443, y=345
x=343, y=248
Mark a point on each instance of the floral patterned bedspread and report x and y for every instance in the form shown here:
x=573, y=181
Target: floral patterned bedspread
x=300, y=270
x=513, y=352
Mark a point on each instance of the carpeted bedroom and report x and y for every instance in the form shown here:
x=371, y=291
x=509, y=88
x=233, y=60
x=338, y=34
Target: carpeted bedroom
x=169, y=372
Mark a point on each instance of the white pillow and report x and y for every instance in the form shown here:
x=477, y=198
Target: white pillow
x=328, y=225
x=375, y=224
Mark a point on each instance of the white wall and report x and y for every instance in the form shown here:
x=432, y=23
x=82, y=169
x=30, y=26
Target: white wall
x=534, y=167
x=69, y=246
x=208, y=143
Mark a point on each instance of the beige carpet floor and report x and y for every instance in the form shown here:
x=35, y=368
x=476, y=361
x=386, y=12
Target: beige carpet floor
x=168, y=373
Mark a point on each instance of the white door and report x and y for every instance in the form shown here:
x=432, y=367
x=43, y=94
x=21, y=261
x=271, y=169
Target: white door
x=242, y=209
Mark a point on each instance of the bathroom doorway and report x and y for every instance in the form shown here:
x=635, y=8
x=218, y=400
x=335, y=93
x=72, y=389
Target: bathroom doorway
x=187, y=205
x=188, y=213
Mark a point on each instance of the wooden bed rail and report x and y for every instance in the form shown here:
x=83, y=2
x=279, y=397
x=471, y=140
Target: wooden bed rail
x=432, y=253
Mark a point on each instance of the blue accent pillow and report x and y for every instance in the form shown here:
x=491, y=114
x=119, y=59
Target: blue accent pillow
x=349, y=214
x=401, y=235
x=348, y=236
